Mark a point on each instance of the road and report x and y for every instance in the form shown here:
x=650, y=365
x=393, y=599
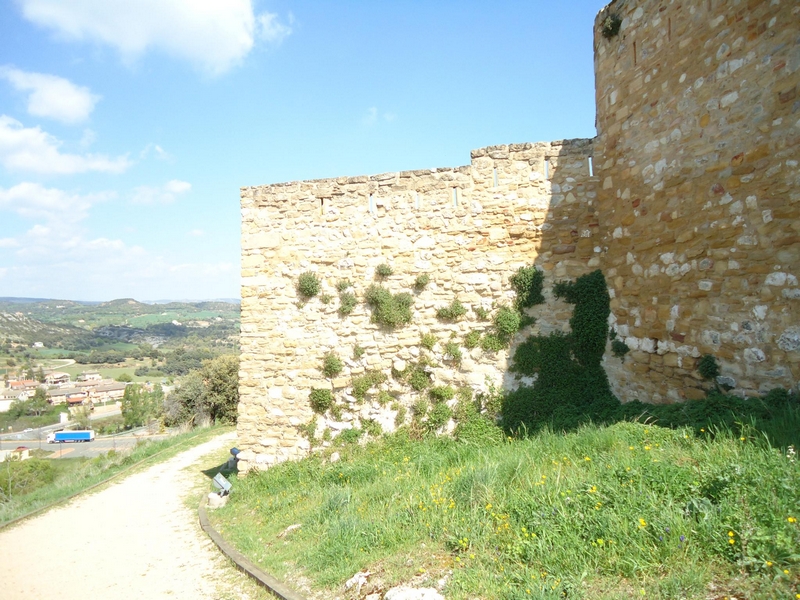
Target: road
x=100, y=445
x=137, y=538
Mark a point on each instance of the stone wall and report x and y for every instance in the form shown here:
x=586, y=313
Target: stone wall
x=698, y=119
x=688, y=200
x=469, y=228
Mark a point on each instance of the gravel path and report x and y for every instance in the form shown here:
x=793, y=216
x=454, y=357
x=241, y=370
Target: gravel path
x=135, y=539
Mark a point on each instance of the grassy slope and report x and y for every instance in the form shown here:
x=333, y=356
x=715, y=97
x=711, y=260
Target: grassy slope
x=603, y=512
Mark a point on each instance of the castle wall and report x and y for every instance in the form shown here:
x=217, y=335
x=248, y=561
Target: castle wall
x=469, y=228
x=688, y=200
x=698, y=118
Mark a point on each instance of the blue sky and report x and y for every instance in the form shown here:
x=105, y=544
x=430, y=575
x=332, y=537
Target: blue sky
x=127, y=127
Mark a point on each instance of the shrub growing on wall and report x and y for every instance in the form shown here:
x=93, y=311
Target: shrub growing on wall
x=331, y=365
x=528, y=283
x=453, y=312
x=389, y=309
x=308, y=284
x=320, y=400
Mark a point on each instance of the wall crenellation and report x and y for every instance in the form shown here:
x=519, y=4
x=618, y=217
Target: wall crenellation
x=688, y=199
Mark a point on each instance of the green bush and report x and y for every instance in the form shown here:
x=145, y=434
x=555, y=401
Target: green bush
x=331, y=365
x=383, y=271
x=438, y=417
x=421, y=282
x=452, y=312
x=365, y=382
x=343, y=284
x=453, y=351
x=347, y=303
x=389, y=309
x=21, y=477
x=358, y=352
x=481, y=313
x=320, y=400
x=507, y=322
x=326, y=298
x=441, y=393
x=418, y=379
x=619, y=348
x=428, y=341
x=491, y=342
x=472, y=339
x=527, y=283
x=308, y=284
x=707, y=367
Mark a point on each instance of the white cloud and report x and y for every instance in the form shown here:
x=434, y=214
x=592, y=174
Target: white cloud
x=212, y=35
x=33, y=150
x=165, y=194
x=34, y=201
x=52, y=97
x=372, y=116
x=156, y=151
x=193, y=233
x=8, y=243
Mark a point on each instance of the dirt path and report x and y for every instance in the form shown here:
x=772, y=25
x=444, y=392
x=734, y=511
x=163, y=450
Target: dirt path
x=135, y=539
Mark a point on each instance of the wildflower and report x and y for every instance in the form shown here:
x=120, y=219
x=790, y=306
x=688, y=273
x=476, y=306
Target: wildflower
x=731, y=541
x=489, y=506
x=592, y=489
x=742, y=438
x=586, y=458
x=730, y=534
x=683, y=538
x=647, y=447
x=792, y=520
x=600, y=541
x=769, y=563
x=786, y=571
x=630, y=447
x=642, y=523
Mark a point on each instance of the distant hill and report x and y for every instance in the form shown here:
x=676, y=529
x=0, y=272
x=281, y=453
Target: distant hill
x=27, y=320
x=18, y=328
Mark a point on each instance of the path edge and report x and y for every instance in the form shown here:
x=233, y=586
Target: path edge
x=272, y=585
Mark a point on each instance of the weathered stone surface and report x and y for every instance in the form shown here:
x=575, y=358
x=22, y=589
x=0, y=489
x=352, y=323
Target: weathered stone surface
x=691, y=209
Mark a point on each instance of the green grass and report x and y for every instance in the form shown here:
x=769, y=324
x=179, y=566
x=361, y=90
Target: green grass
x=75, y=475
x=627, y=510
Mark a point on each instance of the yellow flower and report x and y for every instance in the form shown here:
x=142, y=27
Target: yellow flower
x=586, y=458
x=742, y=438
x=792, y=520
x=488, y=507
x=642, y=523
x=731, y=541
x=630, y=447
x=647, y=447
x=769, y=563
x=786, y=571
x=730, y=534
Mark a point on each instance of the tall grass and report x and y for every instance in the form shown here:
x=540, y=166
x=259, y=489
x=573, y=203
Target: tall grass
x=75, y=475
x=602, y=512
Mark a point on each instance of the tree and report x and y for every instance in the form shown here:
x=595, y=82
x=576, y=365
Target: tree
x=211, y=393
x=221, y=379
x=81, y=417
x=38, y=403
x=29, y=373
x=40, y=375
x=134, y=406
